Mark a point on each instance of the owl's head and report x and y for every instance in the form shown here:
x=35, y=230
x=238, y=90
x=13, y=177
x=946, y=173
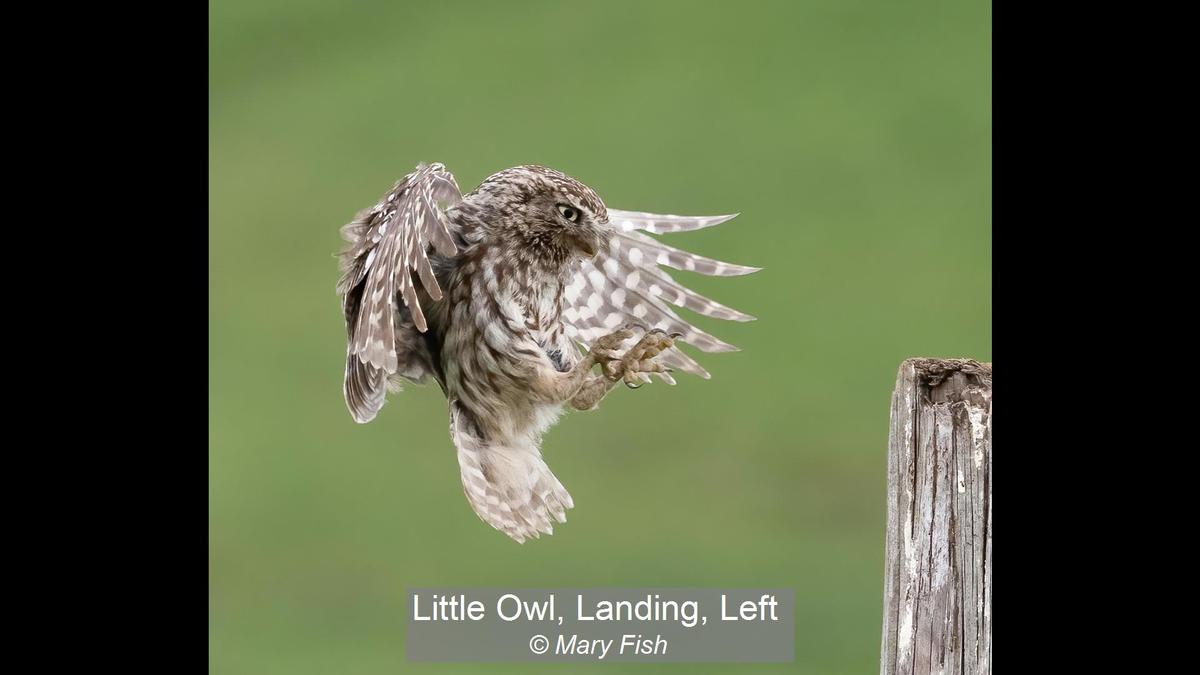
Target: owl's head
x=546, y=210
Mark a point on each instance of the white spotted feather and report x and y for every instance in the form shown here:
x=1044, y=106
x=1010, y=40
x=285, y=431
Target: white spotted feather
x=389, y=242
x=624, y=284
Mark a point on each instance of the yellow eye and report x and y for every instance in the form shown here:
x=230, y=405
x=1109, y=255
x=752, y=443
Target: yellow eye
x=569, y=212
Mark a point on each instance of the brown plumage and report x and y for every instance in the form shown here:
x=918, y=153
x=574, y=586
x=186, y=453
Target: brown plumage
x=492, y=294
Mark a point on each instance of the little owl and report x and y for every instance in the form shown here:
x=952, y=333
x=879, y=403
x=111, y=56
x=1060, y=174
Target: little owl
x=493, y=294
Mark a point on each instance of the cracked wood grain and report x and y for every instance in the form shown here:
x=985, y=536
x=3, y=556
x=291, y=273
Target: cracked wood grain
x=937, y=579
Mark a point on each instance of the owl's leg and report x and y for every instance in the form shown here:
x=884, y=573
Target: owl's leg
x=585, y=392
x=558, y=387
x=633, y=367
x=592, y=392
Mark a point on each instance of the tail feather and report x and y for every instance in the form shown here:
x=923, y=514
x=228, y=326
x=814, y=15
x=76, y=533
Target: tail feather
x=510, y=488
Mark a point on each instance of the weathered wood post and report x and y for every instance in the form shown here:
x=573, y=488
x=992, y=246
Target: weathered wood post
x=937, y=597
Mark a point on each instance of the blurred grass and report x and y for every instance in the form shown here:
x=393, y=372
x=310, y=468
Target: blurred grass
x=854, y=138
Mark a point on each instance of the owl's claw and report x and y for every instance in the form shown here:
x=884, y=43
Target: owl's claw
x=637, y=363
x=606, y=350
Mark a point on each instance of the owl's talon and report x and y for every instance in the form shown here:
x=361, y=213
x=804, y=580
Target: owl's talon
x=605, y=351
x=637, y=363
x=613, y=369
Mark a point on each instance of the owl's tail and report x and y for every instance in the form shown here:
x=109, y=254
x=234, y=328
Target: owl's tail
x=510, y=488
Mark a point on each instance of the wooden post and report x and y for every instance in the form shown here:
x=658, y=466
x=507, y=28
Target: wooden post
x=937, y=597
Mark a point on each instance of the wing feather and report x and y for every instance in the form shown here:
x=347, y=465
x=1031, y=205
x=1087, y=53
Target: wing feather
x=625, y=260
x=680, y=259
x=648, y=309
x=625, y=284
x=389, y=242
x=627, y=221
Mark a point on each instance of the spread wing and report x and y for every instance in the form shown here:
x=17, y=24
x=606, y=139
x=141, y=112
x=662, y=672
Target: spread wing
x=625, y=284
x=388, y=243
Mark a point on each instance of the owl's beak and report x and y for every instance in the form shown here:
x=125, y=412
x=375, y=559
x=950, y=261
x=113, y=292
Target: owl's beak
x=591, y=238
x=589, y=247
x=596, y=238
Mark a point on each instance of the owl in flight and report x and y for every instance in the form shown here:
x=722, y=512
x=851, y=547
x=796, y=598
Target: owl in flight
x=493, y=294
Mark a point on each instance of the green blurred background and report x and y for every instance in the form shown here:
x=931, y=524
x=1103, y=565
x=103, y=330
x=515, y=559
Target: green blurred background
x=853, y=137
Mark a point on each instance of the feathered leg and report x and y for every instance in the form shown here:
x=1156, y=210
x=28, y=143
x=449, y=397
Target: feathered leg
x=556, y=387
x=592, y=392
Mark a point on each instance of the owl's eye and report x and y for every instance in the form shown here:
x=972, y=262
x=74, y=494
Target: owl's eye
x=569, y=212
